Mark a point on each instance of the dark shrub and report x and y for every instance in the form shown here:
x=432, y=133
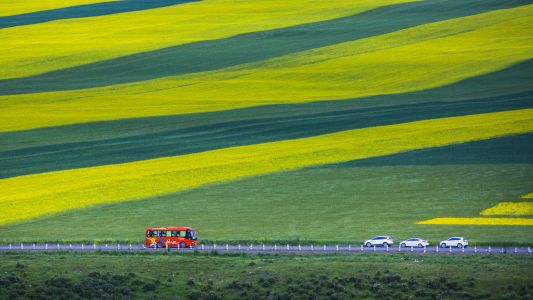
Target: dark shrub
x=149, y=287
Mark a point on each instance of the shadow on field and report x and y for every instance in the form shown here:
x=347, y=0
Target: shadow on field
x=250, y=47
x=83, y=11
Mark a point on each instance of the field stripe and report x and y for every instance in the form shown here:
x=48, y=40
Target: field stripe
x=510, y=208
x=112, y=36
x=217, y=54
x=31, y=196
x=303, y=77
x=16, y=7
x=479, y=221
x=234, y=130
x=84, y=11
x=312, y=202
x=492, y=87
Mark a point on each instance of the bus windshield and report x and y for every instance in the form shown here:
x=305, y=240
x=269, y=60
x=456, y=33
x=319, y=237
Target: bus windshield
x=191, y=234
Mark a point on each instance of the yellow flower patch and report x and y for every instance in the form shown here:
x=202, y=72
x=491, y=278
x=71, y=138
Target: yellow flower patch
x=479, y=221
x=72, y=42
x=16, y=7
x=32, y=196
x=510, y=208
x=418, y=58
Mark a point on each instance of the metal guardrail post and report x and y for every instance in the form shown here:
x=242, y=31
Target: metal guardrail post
x=336, y=247
x=349, y=247
x=275, y=247
x=288, y=247
x=21, y=246
x=374, y=248
x=299, y=247
x=325, y=247
x=362, y=248
x=424, y=249
x=46, y=246
x=490, y=249
x=312, y=247
x=203, y=247
x=436, y=249
x=82, y=246
x=227, y=247
x=412, y=249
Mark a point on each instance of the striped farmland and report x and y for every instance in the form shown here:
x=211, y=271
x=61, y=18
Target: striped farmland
x=130, y=108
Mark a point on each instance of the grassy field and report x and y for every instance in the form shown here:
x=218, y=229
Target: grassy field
x=112, y=276
x=31, y=196
x=267, y=120
x=347, y=203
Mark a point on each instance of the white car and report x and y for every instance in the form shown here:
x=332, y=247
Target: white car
x=414, y=242
x=385, y=241
x=456, y=241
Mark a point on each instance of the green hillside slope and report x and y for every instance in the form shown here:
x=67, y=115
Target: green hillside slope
x=266, y=120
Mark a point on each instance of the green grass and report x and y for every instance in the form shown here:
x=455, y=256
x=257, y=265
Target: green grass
x=345, y=203
x=199, y=276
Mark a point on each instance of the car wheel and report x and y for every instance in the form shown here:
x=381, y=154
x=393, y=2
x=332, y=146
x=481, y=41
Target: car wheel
x=420, y=246
x=368, y=244
x=403, y=245
x=385, y=245
x=459, y=246
x=443, y=245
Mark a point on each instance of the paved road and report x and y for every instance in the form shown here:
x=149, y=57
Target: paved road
x=303, y=250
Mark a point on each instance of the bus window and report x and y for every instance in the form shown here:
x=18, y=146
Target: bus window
x=162, y=233
x=150, y=233
x=174, y=233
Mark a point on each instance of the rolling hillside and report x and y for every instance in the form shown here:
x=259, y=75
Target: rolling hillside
x=267, y=120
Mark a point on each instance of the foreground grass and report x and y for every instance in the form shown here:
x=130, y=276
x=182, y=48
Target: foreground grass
x=202, y=276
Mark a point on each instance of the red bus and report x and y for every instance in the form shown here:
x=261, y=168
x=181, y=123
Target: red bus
x=161, y=237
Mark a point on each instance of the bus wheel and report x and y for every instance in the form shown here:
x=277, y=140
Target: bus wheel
x=182, y=245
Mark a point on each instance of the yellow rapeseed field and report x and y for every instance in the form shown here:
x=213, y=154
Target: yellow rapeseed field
x=479, y=221
x=510, y=208
x=528, y=196
x=31, y=196
x=67, y=43
x=427, y=56
x=16, y=7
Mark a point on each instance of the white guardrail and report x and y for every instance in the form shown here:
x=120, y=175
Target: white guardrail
x=305, y=249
